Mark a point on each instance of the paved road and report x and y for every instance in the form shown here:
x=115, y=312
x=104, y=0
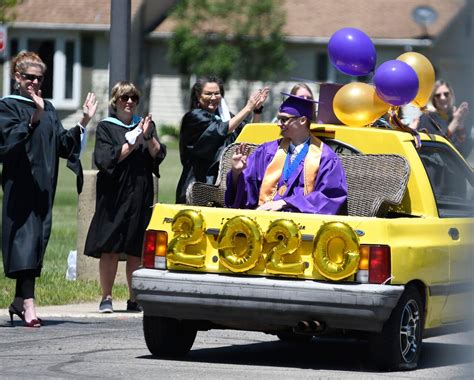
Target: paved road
x=79, y=343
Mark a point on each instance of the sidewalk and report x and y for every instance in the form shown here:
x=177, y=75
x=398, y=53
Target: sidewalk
x=82, y=310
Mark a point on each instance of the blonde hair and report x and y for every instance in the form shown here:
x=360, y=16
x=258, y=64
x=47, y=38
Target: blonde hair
x=25, y=59
x=438, y=84
x=296, y=87
x=122, y=88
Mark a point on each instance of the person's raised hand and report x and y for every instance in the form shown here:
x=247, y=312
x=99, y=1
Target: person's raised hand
x=262, y=97
x=39, y=103
x=239, y=158
x=89, y=108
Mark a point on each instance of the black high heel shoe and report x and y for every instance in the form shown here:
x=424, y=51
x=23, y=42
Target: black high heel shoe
x=12, y=310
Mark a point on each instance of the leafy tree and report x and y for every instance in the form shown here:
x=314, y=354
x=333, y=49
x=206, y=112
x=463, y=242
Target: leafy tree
x=6, y=7
x=239, y=38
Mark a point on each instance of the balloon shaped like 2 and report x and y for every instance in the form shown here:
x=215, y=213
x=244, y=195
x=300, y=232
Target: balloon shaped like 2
x=396, y=82
x=426, y=75
x=357, y=104
x=352, y=52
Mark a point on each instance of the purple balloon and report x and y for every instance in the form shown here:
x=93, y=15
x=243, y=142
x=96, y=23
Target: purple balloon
x=396, y=83
x=352, y=52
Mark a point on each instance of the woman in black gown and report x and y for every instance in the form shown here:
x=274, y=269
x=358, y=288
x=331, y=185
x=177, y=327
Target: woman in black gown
x=127, y=152
x=32, y=139
x=207, y=129
x=447, y=120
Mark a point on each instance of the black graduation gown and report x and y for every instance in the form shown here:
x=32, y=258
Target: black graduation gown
x=30, y=172
x=124, y=193
x=433, y=123
x=202, y=138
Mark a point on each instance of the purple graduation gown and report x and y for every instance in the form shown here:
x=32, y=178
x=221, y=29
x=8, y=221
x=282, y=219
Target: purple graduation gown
x=328, y=197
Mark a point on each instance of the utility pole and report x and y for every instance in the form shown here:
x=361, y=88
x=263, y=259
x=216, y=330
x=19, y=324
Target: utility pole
x=120, y=26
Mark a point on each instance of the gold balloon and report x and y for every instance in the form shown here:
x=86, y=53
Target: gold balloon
x=240, y=244
x=336, y=251
x=357, y=104
x=426, y=76
x=286, y=237
x=188, y=227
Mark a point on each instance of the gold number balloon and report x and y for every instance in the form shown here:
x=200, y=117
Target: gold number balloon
x=336, y=251
x=240, y=244
x=286, y=234
x=188, y=227
x=357, y=104
x=426, y=76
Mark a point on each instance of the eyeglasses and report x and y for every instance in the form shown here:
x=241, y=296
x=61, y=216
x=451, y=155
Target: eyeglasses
x=285, y=119
x=445, y=94
x=32, y=77
x=209, y=94
x=133, y=98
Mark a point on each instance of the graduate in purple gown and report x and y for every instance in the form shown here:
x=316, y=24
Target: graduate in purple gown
x=297, y=173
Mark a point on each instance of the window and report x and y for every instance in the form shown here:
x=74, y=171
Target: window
x=451, y=179
x=61, y=54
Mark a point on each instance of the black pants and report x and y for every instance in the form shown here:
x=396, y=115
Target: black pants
x=25, y=285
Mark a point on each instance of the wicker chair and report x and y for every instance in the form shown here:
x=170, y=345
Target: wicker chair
x=373, y=180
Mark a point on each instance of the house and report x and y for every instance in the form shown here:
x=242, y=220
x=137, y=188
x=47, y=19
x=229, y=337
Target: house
x=73, y=39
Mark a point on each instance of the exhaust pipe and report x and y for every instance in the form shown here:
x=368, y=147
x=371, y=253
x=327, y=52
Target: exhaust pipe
x=309, y=326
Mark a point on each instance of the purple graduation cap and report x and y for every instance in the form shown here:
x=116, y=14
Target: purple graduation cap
x=298, y=106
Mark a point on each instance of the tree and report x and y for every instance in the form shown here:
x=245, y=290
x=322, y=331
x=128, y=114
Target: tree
x=239, y=38
x=6, y=7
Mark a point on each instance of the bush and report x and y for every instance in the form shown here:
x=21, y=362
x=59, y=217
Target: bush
x=168, y=130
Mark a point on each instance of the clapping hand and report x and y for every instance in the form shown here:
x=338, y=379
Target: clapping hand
x=460, y=113
x=147, y=125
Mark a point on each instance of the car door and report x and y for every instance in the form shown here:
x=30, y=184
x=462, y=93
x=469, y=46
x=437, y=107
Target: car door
x=452, y=183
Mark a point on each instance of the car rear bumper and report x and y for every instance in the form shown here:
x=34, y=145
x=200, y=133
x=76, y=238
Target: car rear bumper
x=262, y=303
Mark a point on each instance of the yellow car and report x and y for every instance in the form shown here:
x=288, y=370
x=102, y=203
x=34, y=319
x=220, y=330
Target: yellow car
x=397, y=266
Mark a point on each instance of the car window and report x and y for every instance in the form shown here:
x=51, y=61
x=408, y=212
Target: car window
x=451, y=180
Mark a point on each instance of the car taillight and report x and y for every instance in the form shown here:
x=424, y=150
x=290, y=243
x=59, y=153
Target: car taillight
x=155, y=244
x=379, y=264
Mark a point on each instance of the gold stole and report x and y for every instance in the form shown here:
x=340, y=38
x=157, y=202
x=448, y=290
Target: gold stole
x=274, y=170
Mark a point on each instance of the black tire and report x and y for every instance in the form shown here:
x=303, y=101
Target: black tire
x=291, y=337
x=398, y=346
x=168, y=337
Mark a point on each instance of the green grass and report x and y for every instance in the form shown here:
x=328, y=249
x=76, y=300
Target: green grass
x=52, y=288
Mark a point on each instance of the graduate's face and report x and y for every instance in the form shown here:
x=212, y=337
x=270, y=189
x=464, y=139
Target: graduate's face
x=29, y=80
x=293, y=127
x=210, y=97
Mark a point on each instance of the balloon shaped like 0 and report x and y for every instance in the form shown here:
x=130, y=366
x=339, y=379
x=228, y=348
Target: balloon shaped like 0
x=240, y=244
x=357, y=104
x=336, y=251
x=287, y=235
x=426, y=75
x=352, y=52
x=188, y=227
x=396, y=82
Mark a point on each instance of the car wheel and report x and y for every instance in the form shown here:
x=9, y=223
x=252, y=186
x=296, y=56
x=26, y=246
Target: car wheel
x=398, y=346
x=168, y=337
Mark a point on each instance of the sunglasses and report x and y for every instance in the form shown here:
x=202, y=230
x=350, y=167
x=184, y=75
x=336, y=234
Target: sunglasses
x=285, y=119
x=133, y=98
x=445, y=94
x=32, y=77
